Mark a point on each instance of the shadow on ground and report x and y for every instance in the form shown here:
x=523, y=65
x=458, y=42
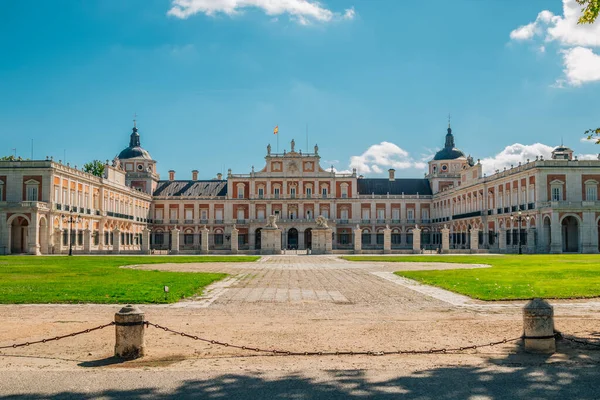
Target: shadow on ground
x=573, y=375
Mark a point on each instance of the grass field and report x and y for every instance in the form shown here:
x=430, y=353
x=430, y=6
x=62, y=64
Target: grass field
x=511, y=277
x=81, y=279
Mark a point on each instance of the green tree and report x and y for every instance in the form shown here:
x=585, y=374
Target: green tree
x=95, y=167
x=8, y=158
x=590, y=11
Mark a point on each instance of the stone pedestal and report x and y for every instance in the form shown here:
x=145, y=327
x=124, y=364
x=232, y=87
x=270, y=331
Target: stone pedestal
x=538, y=327
x=357, y=240
x=204, y=240
x=145, y=245
x=531, y=240
x=445, y=240
x=116, y=241
x=502, y=239
x=175, y=241
x=321, y=241
x=416, y=240
x=87, y=241
x=129, y=329
x=234, y=240
x=270, y=241
x=387, y=240
x=474, y=239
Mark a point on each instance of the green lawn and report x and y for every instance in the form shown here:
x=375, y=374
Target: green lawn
x=84, y=279
x=511, y=277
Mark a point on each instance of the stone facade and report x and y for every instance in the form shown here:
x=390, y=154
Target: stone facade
x=540, y=206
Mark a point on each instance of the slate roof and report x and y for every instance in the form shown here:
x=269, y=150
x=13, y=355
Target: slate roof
x=383, y=186
x=191, y=188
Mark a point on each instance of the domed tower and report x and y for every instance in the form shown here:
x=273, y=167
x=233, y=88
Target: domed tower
x=447, y=164
x=139, y=167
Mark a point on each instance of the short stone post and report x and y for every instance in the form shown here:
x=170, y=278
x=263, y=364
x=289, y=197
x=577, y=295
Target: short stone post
x=531, y=240
x=116, y=241
x=234, y=240
x=357, y=240
x=445, y=239
x=204, y=240
x=175, y=241
x=87, y=241
x=502, y=239
x=538, y=327
x=474, y=239
x=416, y=240
x=129, y=328
x=387, y=240
x=145, y=246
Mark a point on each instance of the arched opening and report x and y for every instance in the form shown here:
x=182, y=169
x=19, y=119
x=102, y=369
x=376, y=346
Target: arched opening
x=292, y=239
x=19, y=235
x=308, y=238
x=257, y=242
x=43, y=235
x=570, y=235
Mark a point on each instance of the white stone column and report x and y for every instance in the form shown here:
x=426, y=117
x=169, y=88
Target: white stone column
x=387, y=240
x=445, y=239
x=87, y=241
x=204, y=240
x=556, y=234
x=589, y=233
x=234, y=240
x=502, y=239
x=145, y=241
x=116, y=241
x=357, y=240
x=474, y=239
x=175, y=241
x=33, y=236
x=416, y=240
x=531, y=240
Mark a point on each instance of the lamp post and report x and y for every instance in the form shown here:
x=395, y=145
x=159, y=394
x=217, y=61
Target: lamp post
x=70, y=219
x=519, y=218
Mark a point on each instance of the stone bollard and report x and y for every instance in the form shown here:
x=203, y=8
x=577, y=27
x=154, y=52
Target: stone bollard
x=538, y=327
x=129, y=328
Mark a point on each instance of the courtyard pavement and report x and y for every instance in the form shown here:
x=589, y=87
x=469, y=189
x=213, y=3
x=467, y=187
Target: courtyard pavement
x=302, y=303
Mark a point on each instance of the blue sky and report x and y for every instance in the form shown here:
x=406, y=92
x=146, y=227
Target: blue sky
x=208, y=84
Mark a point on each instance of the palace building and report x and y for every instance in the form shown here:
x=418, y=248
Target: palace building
x=538, y=206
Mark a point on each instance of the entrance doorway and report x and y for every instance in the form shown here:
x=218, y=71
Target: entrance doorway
x=308, y=238
x=292, y=239
x=570, y=235
x=257, y=242
x=19, y=237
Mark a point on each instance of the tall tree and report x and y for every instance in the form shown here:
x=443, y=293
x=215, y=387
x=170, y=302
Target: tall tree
x=590, y=11
x=95, y=167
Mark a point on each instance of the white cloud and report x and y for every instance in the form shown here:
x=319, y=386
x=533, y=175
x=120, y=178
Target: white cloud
x=383, y=156
x=586, y=140
x=515, y=153
x=302, y=11
x=581, y=66
x=588, y=156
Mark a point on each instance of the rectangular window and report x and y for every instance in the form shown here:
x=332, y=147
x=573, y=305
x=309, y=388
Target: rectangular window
x=204, y=214
x=159, y=238
x=240, y=214
x=309, y=192
x=380, y=214
x=32, y=193
x=219, y=214
x=261, y=193
x=396, y=213
x=158, y=214
x=188, y=239
x=1, y=191
x=56, y=194
x=173, y=213
x=189, y=214
x=240, y=194
x=293, y=193
x=366, y=214
x=343, y=214
x=410, y=214
x=276, y=192
x=218, y=239
x=324, y=192
x=325, y=213
x=556, y=193
x=425, y=214
x=260, y=214
x=344, y=191
x=591, y=193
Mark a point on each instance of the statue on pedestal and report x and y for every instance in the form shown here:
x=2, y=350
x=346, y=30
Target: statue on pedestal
x=322, y=222
x=272, y=222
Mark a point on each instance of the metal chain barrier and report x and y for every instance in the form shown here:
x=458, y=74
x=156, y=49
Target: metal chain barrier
x=579, y=341
x=331, y=353
x=14, y=346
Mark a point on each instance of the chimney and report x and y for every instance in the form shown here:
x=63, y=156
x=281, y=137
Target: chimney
x=171, y=175
x=195, y=175
x=219, y=176
x=392, y=174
